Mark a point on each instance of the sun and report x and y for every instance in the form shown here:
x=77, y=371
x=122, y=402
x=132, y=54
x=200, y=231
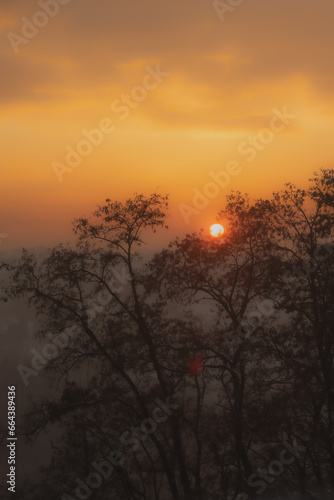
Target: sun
x=216, y=230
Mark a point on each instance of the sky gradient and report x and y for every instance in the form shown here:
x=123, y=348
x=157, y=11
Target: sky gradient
x=225, y=78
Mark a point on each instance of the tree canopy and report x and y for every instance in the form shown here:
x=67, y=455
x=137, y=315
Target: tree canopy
x=208, y=368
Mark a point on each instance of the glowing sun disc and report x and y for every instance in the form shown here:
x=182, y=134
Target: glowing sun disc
x=216, y=230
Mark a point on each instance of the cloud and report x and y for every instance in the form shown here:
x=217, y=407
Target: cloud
x=221, y=67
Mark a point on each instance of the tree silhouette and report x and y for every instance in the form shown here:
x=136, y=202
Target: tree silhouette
x=182, y=375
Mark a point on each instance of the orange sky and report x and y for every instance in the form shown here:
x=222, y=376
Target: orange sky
x=225, y=77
